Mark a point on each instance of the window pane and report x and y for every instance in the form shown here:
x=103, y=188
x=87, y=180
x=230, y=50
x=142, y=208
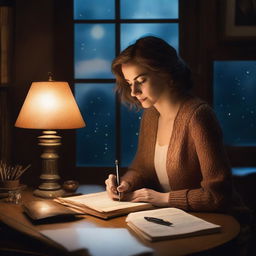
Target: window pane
x=95, y=143
x=89, y=9
x=149, y=9
x=167, y=31
x=234, y=101
x=94, y=50
x=130, y=121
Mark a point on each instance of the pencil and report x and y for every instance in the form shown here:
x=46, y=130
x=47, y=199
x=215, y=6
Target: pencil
x=117, y=178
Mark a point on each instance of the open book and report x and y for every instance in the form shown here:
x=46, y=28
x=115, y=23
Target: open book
x=100, y=205
x=183, y=224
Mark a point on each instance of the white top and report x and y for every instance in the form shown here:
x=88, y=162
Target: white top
x=160, y=166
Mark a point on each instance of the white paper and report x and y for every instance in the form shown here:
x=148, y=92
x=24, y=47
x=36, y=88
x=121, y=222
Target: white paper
x=183, y=223
x=99, y=201
x=98, y=241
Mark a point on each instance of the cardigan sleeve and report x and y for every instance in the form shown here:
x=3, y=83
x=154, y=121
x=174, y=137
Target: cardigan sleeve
x=216, y=185
x=140, y=173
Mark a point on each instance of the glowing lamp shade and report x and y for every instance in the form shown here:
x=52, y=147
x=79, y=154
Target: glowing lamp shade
x=49, y=106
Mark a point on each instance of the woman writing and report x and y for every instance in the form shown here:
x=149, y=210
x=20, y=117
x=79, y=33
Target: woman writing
x=180, y=160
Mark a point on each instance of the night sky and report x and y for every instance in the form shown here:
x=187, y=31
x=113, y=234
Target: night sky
x=235, y=101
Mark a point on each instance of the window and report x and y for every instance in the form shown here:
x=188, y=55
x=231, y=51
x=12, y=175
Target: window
x=234, y=101
x=99, y=35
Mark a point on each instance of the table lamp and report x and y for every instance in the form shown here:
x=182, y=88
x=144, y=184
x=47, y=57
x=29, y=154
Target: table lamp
x=49, y=106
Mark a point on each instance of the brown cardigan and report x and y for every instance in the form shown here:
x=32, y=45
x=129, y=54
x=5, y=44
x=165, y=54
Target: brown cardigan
x=197, y=166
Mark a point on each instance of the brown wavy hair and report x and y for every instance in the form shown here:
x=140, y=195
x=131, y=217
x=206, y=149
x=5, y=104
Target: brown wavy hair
x=156, y=55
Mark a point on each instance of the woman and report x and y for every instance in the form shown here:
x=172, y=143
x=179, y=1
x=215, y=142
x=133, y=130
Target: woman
x=180, y=161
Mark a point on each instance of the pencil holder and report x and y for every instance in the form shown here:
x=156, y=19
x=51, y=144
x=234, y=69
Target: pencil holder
x=11, y=184
x=10, y=174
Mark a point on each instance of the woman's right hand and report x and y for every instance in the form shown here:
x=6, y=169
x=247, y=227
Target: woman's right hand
x=112, y=189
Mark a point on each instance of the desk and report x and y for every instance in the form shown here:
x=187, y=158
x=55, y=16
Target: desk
x=12, y=216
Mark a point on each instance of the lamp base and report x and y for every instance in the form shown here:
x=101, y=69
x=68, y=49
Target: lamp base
x=48, y=193
x=49, y=187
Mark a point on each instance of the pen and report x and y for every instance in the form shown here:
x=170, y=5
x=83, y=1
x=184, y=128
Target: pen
x=117, y=178
x=158, y=221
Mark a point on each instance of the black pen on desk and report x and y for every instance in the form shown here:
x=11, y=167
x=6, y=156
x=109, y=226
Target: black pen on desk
x=117, y=178
x=158, y=221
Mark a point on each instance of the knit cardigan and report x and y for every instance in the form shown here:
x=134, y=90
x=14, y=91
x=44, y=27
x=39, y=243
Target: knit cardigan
x=197, y=166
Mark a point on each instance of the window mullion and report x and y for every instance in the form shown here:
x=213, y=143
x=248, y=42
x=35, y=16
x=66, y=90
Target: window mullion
x=117, y=105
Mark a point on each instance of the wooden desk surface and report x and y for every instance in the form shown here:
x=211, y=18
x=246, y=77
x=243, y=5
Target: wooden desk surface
x=12, y=215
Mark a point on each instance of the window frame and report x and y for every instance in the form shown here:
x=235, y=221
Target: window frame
x=239, y=156
x=118, y=22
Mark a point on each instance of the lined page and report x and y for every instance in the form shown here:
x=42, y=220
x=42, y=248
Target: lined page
x=183, y=223
x=99, y=201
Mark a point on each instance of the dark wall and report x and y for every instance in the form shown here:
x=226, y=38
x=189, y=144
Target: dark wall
x=32, y=59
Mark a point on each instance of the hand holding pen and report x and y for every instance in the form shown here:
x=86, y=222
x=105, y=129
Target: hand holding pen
x=116, y=188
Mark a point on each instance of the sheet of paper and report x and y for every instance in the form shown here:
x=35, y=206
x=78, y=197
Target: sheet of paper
x=98, y=241
x=100, y=202
x=183, y=222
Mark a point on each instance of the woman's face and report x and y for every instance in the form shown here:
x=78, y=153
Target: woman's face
x=147, y=86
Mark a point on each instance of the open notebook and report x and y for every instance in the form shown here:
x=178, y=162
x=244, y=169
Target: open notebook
x=100, y=205
x=183, y=224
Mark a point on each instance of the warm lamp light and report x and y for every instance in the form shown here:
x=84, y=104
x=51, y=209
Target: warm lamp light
x=49, y=106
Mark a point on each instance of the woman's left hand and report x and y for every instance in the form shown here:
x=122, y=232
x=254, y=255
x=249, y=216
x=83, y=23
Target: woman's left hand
x=150, y=196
